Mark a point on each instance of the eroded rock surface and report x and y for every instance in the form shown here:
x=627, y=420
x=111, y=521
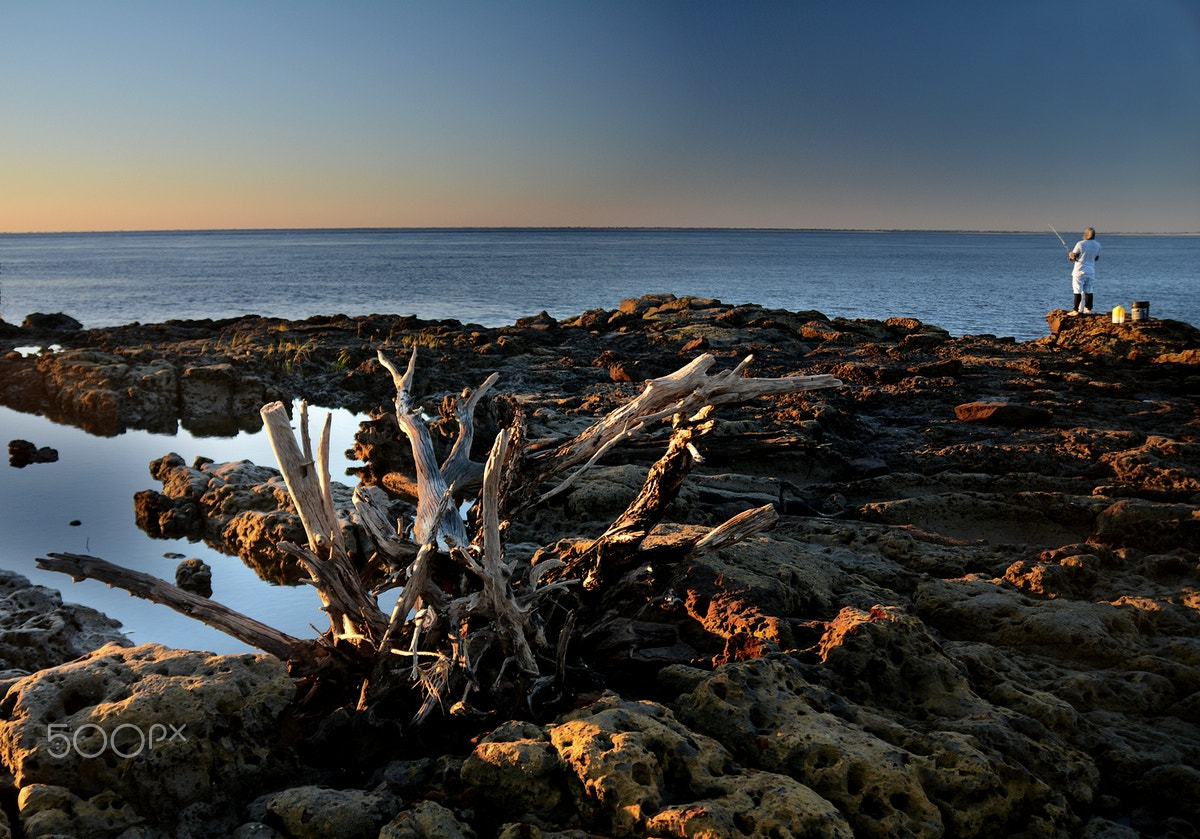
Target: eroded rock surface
x=38, y=630
x=977, y=616
x=125, y=736
x=238, y=507
x=632, y=769
x=22, y=453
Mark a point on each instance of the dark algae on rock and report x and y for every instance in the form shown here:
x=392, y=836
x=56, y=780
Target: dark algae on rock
x=976, y=614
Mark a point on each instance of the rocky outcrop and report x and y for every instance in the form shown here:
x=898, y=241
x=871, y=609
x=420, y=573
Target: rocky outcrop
x=316, y=812
x=977, y=615
x=57, y=322
x=1154, y=341
x=430, y=820
x=22, y=453
x=238, y=508
x=106, y=393
x=1002, y=413
x=194, y=575
x=631, y=768
x=38, y=630
x=924, y=688
x=212, y=396
x=142, y=736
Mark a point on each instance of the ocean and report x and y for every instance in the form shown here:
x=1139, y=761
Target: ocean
x=968, y=283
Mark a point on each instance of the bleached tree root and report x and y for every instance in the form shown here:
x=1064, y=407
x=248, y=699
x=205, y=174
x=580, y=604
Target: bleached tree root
x=682, y=393
x=354, y=613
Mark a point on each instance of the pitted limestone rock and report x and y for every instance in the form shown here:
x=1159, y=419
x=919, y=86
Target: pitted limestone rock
x=238, y=507
x=774, y=719
x=516, y=769
x=888, y=661
x=888, y=656
x=50, y=811
x=220, y=392
x=317, y=812
x=105, y=393
x=754, y=587
x=974, y=775
x=38, y=630
x=636, y=771
x=991, y=611
x=426, y=820
x=755, y=805
x=1149, y=525
x=1161, y=468
x=159, y=728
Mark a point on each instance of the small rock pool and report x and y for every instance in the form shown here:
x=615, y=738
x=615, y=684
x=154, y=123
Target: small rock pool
x=83, y=503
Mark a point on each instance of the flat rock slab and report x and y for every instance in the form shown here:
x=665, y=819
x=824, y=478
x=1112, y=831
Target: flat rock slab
x=1003, y=413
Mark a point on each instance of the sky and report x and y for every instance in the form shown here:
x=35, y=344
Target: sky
x=905, y=114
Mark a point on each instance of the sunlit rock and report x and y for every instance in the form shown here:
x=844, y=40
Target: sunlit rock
x=157, y=729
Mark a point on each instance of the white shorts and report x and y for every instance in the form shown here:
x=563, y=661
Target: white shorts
x=1082, y=284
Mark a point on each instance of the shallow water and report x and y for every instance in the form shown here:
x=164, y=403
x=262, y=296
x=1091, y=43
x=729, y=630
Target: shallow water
x=93, y=482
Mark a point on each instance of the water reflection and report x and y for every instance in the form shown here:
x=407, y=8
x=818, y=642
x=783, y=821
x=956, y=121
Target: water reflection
x=106, y=394
x=83, y=503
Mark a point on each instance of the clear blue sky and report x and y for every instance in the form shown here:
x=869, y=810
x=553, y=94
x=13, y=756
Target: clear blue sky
x=1005, y=115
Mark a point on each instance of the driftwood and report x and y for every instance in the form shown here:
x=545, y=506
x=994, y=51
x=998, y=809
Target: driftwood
x=734, y=530
x=354, y=613
x=682, y=393
x=245, y=629
x=433, y=481
x=488, y=613
x=473, y=630
x=618, y=546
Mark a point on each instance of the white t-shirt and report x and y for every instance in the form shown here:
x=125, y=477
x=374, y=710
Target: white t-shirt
x=1085, y=265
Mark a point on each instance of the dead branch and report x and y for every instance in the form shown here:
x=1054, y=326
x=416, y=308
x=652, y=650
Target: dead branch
x=458, y=468
x=245, y=629
x=303, y=473
x=736, y=529
x=353, y=611
x=431, y=483
x=371, y=504
x=618, y=546
x=683, y=392
x=513, y=624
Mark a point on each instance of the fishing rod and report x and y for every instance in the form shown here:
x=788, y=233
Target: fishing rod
x=1060, y=238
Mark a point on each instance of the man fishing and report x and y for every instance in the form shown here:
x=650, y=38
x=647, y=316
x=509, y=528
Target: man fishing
x=1083, y=273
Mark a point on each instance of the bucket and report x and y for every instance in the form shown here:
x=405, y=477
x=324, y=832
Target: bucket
x=1118, y=314
x=1139, y=310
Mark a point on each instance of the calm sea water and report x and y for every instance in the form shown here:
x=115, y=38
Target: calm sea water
x=968, y=283
x=1000, y=284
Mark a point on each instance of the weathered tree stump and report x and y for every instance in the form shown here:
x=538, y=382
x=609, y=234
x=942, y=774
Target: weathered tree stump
x=476, y=632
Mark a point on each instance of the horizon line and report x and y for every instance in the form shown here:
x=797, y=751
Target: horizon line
x=983, y=231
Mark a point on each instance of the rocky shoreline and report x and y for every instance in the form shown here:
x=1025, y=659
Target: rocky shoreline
x=977, y=615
